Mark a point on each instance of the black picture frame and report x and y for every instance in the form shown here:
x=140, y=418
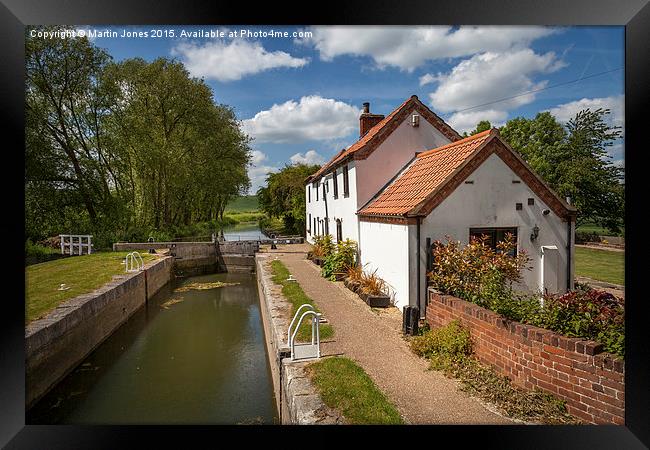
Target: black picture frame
x=15, y=14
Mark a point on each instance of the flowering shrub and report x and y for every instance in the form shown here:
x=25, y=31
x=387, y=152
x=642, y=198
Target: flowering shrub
x=339, y=260
x=593, y=314
x=477, y=272
x=480, y=275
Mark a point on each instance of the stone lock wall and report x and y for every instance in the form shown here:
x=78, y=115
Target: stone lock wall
x=576, y=370
x=55, y=344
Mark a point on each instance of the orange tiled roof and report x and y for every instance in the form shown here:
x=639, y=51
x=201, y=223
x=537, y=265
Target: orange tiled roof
x=371, y=135
x=430, y=170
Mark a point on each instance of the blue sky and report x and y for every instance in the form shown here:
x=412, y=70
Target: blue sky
x=300, y=97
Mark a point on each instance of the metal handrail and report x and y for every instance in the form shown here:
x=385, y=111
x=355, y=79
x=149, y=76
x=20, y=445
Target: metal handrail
x=294, y=319
x=134, y=259
x=315, y=338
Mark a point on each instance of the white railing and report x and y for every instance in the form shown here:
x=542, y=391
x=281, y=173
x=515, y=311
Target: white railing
x=80, y=245
x=133, y=262
x=305, y=351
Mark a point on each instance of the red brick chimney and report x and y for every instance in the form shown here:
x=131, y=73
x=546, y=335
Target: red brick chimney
x=367, y=120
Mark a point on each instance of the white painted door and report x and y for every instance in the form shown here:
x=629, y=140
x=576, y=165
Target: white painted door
x=550, y=267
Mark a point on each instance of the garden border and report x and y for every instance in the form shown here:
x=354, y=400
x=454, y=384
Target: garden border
x=592, y=382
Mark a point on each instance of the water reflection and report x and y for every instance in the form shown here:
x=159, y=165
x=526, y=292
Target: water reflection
x=200, y=360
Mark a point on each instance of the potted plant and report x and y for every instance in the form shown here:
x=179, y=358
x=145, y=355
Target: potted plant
x=353, y=278
x=372, y=290
x=339, y=259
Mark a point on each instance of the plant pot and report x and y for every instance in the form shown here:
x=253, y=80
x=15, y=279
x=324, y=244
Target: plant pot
x=316, y=261
x=377, y=301
x=340, y=276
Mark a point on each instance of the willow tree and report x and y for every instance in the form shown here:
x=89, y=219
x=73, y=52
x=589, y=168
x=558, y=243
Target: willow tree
x=69, y=167
x=186, y=153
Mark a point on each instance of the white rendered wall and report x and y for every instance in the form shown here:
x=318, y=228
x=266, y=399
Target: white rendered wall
x=393, y=154
x=385, y=247
x=490, y=202
x=368, y=176
x=343, y=207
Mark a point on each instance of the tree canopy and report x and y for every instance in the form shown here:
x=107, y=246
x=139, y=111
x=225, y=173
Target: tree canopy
x=113, y=147
x=573, y=160
x=283, y=196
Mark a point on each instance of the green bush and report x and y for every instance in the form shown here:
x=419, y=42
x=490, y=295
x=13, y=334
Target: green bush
x=340, y=260
x=36, y=250
x=323, y=246
x=451, y=341
x=480, y=275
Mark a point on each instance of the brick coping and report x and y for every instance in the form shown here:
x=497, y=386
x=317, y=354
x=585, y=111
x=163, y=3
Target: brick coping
x=531, y=333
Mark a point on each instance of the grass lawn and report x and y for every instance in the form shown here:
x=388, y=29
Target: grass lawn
x=82, y=274
x=294, y=293
x=345, y=386
x=601, y=265
x=593, y=228
x=245, y=216
x=245, y=203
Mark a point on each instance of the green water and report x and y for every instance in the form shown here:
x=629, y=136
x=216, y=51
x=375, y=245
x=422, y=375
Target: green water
x=199, y=361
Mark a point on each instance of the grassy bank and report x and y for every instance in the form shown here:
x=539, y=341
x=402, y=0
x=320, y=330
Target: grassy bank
x=345, y=386
x=82, y=274
x=245, y=203
x=601, y=265
x=294, y=293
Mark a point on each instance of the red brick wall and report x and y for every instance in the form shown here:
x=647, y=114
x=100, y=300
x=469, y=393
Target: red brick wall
x=592, y=382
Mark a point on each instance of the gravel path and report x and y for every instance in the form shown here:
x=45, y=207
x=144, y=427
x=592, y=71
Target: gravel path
x=373, y=338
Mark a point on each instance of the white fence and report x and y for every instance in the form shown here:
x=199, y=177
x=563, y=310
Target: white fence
x=75, y=244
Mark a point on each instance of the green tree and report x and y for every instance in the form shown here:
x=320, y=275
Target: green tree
x=482, y=126
x=68, y=164
x=123, y=149
x=284, y=195
x=573, y=160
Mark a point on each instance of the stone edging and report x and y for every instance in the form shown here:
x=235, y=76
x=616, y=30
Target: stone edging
x=56, y=343
x=296, y=397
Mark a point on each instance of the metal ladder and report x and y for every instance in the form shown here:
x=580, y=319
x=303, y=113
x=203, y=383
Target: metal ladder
x=133, y=262
x=305, y=351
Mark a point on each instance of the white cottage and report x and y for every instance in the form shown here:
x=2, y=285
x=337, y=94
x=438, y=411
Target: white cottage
x=411, y=179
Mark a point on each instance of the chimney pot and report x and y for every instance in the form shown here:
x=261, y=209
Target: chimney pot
x=367, y=120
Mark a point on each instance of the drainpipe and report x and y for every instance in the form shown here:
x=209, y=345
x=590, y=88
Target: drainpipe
x=568, y=256
x=327, y=219
x=418, y=267
x=568, y=250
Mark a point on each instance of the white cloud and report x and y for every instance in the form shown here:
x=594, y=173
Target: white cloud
x=427, y=78
x=232, y=61
x=310, y=157
x=491, y=76
x=467, y=120
x=258, y=170
x=311, y=118
x=616, y=104
x=410, y=47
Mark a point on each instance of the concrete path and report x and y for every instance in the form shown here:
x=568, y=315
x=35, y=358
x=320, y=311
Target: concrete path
x=373, y=338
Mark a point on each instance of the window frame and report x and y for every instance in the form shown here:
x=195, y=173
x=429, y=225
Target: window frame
x=346, y=182
x=494, y=235
x=336, y=184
